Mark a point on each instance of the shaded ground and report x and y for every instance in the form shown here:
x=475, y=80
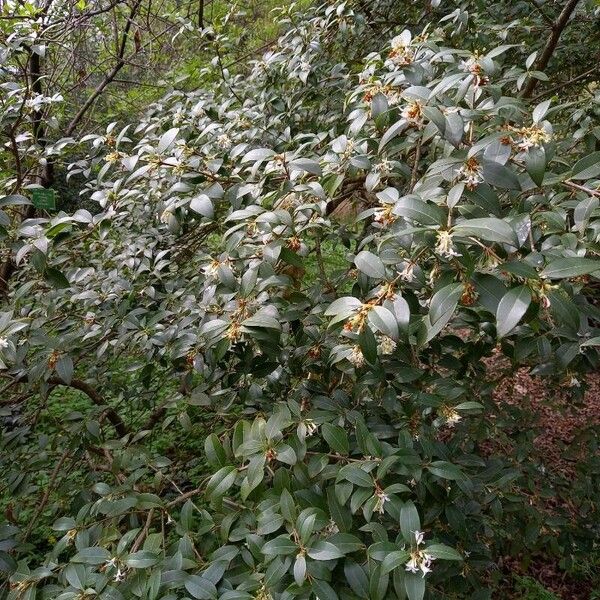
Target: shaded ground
x=566, y=426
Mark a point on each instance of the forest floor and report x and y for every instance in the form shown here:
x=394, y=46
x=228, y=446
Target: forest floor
x=566, y=435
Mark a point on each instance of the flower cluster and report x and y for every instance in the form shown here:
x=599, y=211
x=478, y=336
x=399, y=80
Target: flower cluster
x=419, y=559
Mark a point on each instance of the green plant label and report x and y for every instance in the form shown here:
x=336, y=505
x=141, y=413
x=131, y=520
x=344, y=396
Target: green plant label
x=44, y=198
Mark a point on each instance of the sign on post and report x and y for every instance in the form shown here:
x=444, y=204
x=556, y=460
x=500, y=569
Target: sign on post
x=44, y=198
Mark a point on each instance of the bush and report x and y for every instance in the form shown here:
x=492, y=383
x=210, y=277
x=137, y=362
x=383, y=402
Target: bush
x=347, y=463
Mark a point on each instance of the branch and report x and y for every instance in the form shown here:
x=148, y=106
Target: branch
x=588, y=74
x=557, y=28
x=95, y=397
x=109, y=76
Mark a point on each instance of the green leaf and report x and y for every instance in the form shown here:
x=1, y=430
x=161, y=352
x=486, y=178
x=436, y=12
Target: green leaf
x=336, y=437
x=488, y=228
x=323, y=590
x=220, y=482
x=141, y=560
x=357, y=578
x=409, y=521
x=535, y=163
x=92, y=556
x=200, y=588
x=300, y=569
x=343, y=307
x=215, y=453
x=324, y=551
x=355, y=475
x=588, y=167
x=203, y=205
x=562, y=268
x=414, y=585
x=394, y=560
x=445, y=470
x=370, y=264
x=56, y=278
x=384, y=321
x=499, y=176
x=7, y=563
x=281, y=545
x=64, y=368
x=511, y=309
x=413, y=208
x=442, y=552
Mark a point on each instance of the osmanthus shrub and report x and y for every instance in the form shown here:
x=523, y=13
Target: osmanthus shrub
x=351, y=389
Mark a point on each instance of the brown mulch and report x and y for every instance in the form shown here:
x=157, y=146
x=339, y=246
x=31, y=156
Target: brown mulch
x=559, y=419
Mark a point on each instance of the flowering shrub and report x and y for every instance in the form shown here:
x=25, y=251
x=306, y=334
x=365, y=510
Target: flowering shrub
x=344, y=460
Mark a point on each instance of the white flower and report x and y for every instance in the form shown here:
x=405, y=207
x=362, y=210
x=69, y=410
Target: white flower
x=419, y=535
x=212, y=270
x=311, y=427
x=386, y=345
x=165, y=216
x=452, y=418
x=412, y=113
x=119, y=576
x=419, y=561
x=224, y=141
x=383, y=167
x=471, y=173
x=445, y=246
x=356, y=357
x=3, y=343
x=382, y=498
x=407, y=274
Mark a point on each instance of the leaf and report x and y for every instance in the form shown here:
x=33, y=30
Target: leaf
x=56, y=278
x=336, y=437
x=300, y=569
x=393, y=560
x=202, y=205
x=411, y=207
x=355, y=475
x=384, y=321
x=92, y=556
x=215, y=453
x=511, y=309
x=141, y=560
x=499, y=176
x=281, y=545
x=442, y=307
x=445, y=470
x=306, y=164
x=200, y=588
x=323, y=590
x=64, y=368
x=442, y=552
x=370, y=264
x=258, y=154
x=562, y=268
x=167, y=139
x=535, y=163
x=356, y=577
x=323, y=550
x=220, y=482
x=588, y=167
x=488, y=228
x=343, y=306
x=414, y=585
x=539, y=112
x=409, y=521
